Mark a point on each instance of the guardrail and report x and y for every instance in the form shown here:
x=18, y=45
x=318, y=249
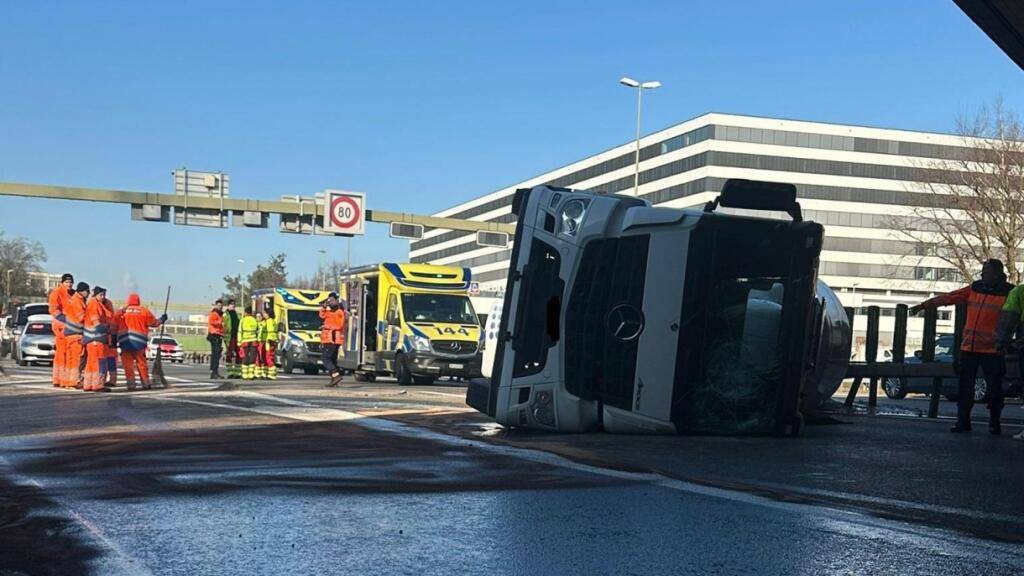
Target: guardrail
x=928, y=367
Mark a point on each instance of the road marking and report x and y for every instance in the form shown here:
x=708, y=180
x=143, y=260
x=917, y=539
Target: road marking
x=459, y=396
x=128, y=565
x=848, y=522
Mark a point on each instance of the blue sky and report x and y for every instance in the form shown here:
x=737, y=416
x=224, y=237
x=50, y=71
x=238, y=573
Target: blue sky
x=420, y=105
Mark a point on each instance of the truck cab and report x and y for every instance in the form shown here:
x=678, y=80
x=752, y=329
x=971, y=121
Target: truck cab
x=624, y=317
x=411, y=321
x=298, y=322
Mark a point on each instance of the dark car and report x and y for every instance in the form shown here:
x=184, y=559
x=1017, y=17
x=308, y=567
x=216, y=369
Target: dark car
x=898, y=388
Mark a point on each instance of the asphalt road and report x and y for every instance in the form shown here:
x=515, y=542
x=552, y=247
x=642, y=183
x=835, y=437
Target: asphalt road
x=291, y=478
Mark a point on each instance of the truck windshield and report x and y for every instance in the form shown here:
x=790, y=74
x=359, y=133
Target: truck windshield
x=304, y=320
x=451, y=308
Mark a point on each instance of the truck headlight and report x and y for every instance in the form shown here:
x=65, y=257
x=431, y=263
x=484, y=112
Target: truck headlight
x=420, y=344
x=572, y=217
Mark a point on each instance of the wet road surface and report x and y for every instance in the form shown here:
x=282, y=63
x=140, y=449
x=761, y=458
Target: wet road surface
x=290, y=478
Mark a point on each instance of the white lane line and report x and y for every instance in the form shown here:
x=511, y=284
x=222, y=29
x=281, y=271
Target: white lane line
x=847, y=522
x=122, y=562
x=459, y=396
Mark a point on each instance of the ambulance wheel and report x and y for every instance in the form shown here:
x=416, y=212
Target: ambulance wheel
x=311, y=370
x=402, y=373
x=424, y=380
x=365, y=377
x=287, y=367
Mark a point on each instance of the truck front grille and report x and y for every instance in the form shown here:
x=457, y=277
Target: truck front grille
x=598, y=365
x=458, y=347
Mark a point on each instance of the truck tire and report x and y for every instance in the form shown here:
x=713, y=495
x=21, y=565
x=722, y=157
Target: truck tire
x=424, y=380
x=402, y=373
x=365, y=376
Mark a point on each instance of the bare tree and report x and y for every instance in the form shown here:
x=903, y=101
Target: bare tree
x=20, y=258
x=975, y=207
x=325, y=278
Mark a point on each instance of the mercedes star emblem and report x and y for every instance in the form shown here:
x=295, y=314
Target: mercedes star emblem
x=625, y=322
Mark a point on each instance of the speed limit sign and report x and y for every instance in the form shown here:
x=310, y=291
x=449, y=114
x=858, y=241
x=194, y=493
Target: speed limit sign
x=344, y=212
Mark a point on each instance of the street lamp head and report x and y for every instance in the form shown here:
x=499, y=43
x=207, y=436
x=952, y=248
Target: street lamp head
x=651, y=85
x=627, y=81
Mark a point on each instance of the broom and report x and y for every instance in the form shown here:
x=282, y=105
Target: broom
x=158, y=367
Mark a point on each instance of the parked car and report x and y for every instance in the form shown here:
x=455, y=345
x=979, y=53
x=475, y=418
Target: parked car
x=6, y=335
x=35, y=343
x=169, y=349
x=898, y=388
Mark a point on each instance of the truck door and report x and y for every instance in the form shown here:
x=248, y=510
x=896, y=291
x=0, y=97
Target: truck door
x=355, y=335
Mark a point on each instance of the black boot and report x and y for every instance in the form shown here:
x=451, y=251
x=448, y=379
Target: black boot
x=961, y=428
x=335, y=380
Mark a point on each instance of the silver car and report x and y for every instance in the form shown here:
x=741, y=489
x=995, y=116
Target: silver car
x=35, y=344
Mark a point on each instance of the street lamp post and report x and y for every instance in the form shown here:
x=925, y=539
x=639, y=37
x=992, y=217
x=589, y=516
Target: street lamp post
x=323, y=269
x=10, y=286
x=241, y=286
x=640, y=87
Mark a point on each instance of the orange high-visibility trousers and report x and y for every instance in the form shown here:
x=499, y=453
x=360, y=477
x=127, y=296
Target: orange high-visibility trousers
x=96, y=353
x=133, y=360
x=73, y=351
x=59, y=364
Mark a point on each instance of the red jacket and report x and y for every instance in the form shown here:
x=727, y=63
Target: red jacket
x=97, y=322
x=133, y=329
x=984, y=303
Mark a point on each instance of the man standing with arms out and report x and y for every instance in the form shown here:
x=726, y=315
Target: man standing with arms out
x=984, y=299
x=58, y=300
x=248, y=339
x=231, y=321
x=95, y=338
x=332, y=336
x=133, y=336
x=269, y=344
x=74, y=328
x=1010, y=319
x=215, y=336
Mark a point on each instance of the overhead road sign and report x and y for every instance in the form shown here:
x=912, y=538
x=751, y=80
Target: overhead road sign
x=345, y=212
x=191, y=184
x=406, y=231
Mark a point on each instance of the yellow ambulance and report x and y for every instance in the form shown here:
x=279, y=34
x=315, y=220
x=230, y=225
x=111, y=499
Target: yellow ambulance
x=298, y=323
x=411, y=321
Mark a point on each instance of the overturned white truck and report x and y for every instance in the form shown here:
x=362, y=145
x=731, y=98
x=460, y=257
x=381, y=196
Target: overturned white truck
x=637, y=319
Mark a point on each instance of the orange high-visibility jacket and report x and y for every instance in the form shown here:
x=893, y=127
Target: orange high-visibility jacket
x=97, y=322
x=215, y=323
x=74, y=315
x=333, y=329
x=133, y=330
x=58, y=300
x=984, y=304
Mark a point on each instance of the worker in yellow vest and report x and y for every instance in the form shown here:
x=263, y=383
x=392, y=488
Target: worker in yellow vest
x=248, y=340
x=269, y=345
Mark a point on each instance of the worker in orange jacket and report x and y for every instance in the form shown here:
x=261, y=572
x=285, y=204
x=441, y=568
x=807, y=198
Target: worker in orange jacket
x=133, y=337
x=109, y=368
x=74, y=330
x=332, y=336
x=215, y=336
x=984, y=300
x=96, y=339
x=58, y=300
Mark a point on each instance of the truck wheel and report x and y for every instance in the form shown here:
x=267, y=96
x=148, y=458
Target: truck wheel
x=365, y=376
x=894, y=388
x=980, y=390
x=402, y=373
x=287, y=366
x=424, y=380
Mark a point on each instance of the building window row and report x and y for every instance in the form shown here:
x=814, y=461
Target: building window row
x=888, y=271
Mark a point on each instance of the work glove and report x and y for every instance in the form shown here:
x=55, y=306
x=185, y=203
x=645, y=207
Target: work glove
x=163, y=318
